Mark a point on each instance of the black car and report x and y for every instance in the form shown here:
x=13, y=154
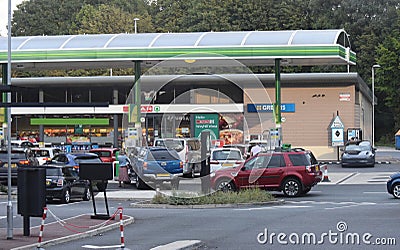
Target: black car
x=19, y=158
x=63, y=183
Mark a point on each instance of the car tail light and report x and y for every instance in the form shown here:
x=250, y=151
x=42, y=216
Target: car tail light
x=238, y=162
x=76, y=167
x=24, y=162
x=60, y=182
x=181, y=164
x=145, y=165
x=214, y=162
x=46, y=159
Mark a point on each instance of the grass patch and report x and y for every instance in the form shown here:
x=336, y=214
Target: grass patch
x=250, y=195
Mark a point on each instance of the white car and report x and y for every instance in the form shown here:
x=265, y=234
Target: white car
x=189, y=151
x=45, y=154
x=225, y=158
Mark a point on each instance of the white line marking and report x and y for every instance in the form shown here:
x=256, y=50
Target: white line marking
x=100, y=247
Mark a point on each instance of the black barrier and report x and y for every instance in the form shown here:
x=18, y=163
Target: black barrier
x=205, y=161
x=31, y=194
x=99, y=173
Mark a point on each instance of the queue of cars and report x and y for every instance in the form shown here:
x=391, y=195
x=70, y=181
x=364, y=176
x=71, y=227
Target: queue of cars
x=292, y=171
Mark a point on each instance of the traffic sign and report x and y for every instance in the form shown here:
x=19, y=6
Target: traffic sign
x=337, y=137
x=337, y=123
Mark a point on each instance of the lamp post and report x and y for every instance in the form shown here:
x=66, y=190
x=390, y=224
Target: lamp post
x=376, y=66
x=135, y=20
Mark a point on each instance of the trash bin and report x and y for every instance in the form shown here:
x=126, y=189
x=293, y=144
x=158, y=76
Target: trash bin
x=31, y=191
x=397, y=140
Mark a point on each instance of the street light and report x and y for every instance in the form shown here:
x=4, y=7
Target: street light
x=376, y=66
x=136, y=19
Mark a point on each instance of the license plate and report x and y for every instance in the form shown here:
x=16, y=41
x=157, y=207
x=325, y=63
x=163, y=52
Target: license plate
x=227, y=164
x=162, y=175
x=317, y=168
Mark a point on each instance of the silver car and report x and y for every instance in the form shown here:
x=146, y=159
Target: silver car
x=358, y=154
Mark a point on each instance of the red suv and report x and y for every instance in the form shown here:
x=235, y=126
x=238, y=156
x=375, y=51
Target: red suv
x=293, y=171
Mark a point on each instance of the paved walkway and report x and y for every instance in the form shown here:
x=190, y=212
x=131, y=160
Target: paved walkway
x=70, y=229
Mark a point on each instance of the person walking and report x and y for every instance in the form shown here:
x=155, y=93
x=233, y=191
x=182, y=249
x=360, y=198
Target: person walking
x=255, y=149
x=123, y=175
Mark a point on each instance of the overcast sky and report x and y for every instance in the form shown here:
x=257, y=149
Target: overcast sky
x=4, y=14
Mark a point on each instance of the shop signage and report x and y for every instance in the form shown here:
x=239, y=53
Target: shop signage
x=269, y=107
x=206, y=122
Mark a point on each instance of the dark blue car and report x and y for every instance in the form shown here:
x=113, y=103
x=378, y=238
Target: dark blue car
x=393, y=185
x=157, y=165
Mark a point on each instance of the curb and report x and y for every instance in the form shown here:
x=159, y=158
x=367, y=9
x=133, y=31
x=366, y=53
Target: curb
x=230, y=205
x=72, y=237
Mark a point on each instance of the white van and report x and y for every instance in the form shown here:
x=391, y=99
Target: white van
x=188, y=150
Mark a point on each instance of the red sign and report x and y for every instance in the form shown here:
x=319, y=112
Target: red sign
x=146, y=109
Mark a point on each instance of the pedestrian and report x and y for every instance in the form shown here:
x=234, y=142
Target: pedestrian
x=123, y=175
x=255, y=149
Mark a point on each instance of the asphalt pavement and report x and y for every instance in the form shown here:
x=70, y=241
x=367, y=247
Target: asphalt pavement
x=83, y=225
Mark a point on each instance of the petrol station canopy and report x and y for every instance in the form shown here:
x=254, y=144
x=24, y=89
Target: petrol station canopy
x=298, y=47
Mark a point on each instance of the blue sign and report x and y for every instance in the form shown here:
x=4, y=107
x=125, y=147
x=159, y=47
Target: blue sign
x=258, y=108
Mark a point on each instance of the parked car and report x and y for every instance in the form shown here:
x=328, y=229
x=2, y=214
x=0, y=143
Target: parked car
x=358, y=154
x=393, y=185
x=44, y=155
x=21, y=144
x=225, y=158
x=189, y=151
x=157, y=165
x=106, y=154
x=292, y=171
x=244, y=149
x=73, y=159
x=63, y=183
x=19, y=158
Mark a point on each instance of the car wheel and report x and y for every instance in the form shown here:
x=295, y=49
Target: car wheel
x=292, y=187
x=86, y=195
x=396, y=191
x=175, y=184
x=66, y=196
x=140, y=184
x=225, y=185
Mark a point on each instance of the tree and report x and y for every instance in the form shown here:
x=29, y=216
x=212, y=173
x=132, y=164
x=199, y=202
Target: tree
x=107, y=19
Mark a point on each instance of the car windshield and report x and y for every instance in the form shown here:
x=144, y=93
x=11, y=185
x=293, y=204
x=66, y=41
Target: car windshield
x=170, y=144
x=4, y=157
x=162, y=155
x=87, y=159
x=357, y=148
x=226, y=155
x=41, y=153
x=103, y=153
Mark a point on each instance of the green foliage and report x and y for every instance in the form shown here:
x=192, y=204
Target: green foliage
x=373, y=26
x=250, y=195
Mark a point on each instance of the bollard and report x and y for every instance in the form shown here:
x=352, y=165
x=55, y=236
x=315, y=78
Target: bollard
x=121, y=227
x=41, y=228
